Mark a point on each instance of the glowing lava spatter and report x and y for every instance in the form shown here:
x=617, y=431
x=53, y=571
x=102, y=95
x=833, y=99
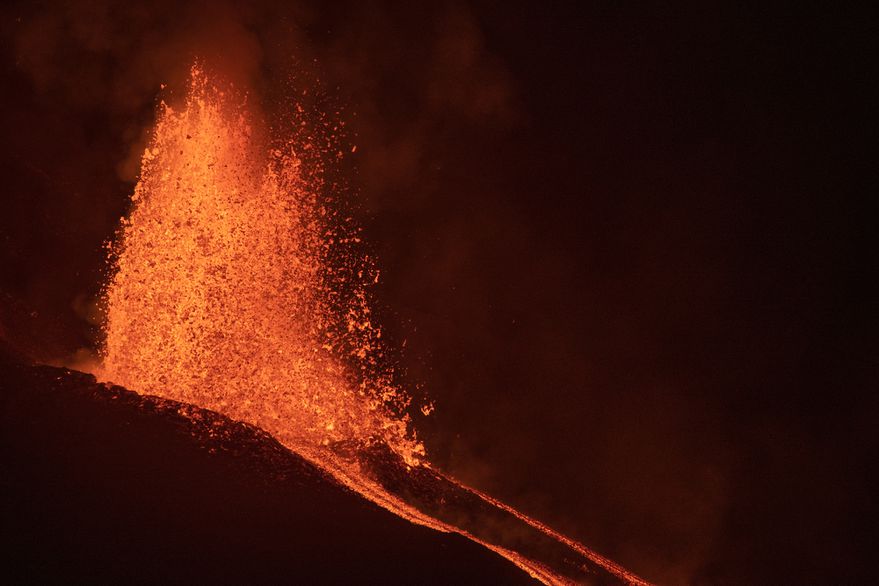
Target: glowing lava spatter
x=221, y=296
x=232, y=290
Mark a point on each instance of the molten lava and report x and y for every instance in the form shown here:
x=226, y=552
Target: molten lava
x=234, y=289
x=223, y=295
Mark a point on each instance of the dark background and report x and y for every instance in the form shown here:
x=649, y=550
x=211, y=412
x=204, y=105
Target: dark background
x=629, y=248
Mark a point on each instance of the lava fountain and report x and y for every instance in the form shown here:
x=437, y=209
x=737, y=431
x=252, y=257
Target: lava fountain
x=234, y=289
x=222, y=295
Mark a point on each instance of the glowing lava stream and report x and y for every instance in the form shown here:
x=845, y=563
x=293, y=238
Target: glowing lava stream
x=232, y=291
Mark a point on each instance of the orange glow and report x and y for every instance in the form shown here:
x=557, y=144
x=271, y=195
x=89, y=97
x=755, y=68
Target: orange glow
x=223, y=296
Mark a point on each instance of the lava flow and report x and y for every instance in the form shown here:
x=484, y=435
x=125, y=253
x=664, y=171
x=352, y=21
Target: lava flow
x=232, y=291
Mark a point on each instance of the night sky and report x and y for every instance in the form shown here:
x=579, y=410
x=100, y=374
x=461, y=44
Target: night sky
x=629, y=248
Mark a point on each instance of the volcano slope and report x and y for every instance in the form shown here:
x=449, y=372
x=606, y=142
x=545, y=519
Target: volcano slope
x=102, y=485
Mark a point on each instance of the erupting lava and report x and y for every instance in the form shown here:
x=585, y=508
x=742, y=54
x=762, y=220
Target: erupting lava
x=233, y=291
x=223, y=295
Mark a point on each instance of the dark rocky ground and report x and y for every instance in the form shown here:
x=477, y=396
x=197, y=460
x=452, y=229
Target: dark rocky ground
x=105, y=486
